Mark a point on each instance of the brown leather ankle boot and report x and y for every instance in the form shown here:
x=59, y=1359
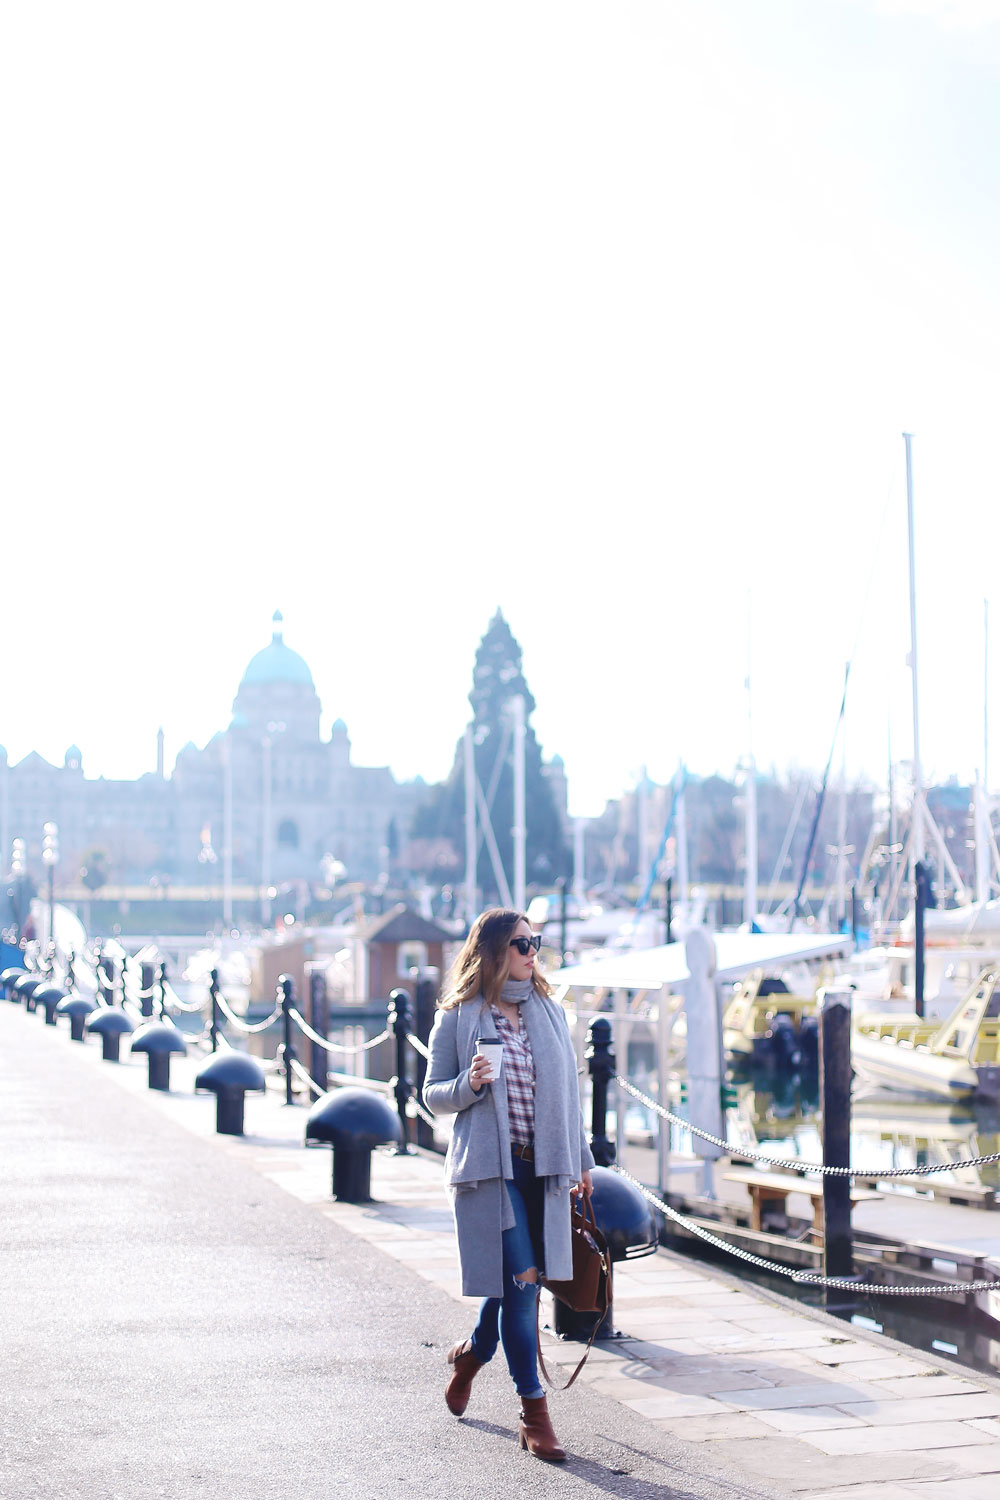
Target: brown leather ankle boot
x=536, y=1431
x=464, y=1366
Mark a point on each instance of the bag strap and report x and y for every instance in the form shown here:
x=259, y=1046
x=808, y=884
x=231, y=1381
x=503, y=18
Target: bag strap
x=598, y=1320
x=586, y=1213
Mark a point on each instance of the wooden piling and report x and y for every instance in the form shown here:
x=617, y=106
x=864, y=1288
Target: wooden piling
x=835, y=1105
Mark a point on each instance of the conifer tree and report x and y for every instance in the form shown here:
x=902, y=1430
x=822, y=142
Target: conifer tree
x=497, y=678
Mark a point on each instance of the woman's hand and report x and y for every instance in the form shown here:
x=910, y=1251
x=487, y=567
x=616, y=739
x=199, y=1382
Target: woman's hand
x=585, y=1185
x=479, y=1072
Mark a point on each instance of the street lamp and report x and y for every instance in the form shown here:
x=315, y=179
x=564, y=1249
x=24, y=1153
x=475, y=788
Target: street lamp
x=18, y=882
x=50, y=858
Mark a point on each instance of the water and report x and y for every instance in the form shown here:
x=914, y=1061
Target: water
x=778, y=1115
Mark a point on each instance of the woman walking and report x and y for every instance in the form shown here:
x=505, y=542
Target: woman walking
x=517, y=1152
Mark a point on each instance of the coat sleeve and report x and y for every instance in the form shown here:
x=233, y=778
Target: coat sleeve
x=447, y=1089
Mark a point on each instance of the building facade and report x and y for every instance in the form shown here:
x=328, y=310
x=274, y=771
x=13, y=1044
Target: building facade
x=291, y=804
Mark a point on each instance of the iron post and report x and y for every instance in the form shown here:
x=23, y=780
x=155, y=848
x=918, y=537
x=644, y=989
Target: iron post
x=601, y=1060
x=835, y=1105
x=319, y=1020
x=213, y=992
x=426, y=992
x=286, y=995
x=399, y=1022
x=147, y=977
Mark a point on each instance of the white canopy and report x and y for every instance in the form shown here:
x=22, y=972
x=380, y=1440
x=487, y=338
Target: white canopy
x=736, y=954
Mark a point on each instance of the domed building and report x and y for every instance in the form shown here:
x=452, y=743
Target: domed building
x=292, y=800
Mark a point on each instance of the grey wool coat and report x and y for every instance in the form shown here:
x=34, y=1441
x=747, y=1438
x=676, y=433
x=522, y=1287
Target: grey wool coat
x=479, y=1157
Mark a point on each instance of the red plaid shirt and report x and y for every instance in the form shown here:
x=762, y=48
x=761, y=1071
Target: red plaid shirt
x=519, y=1072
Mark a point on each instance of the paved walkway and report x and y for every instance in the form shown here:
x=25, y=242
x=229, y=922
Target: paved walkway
x=717, y=1388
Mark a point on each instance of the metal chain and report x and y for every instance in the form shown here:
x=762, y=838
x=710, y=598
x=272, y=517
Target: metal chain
x=806, y=1278
x=418, y=1045
x=242, y=1025
x=306, y=1077
x=323, y=1041
x=793, y=1161
x=176, y=1003
x=424, y=1114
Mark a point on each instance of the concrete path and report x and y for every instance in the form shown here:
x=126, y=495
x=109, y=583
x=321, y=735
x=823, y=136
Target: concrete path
x=187, y=1314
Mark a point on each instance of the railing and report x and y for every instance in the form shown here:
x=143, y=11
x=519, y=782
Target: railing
x=108, y=974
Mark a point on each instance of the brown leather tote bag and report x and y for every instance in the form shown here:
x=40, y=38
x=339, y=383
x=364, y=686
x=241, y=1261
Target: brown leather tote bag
x=589, y=1289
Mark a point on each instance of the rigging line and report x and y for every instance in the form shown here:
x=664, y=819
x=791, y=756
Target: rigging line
x=489, y=796
x=661, y=849
x=821, y=798
x=804, y=789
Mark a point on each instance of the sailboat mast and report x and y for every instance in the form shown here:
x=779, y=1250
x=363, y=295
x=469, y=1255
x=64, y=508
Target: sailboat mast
x=842, y=823
x=519, y=830
x=750, y=807
x=469, y=754
x=917, y=846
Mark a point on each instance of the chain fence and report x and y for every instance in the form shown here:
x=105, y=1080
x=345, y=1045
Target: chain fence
x=322, y=1041
x=804, y=1278
x=793, y=1161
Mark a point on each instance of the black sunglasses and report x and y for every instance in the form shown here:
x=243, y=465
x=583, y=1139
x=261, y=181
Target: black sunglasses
x=525, y=946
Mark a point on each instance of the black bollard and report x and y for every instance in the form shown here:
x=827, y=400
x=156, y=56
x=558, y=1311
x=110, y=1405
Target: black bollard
x=158, y=1039
x=213, y=993
x=78, y=1009
x=110, y=1024
x=601, y=1058
x=285, y=996
x=147, y=972
x=229, y=1075
x=161, y=979
x=48, y=996
x=159, y=1072
x=399, y=1024
x=353, y=1121
x=319, y=1020
x=835, y=1107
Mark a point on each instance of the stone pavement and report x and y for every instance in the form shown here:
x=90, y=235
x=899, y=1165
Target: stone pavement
x=728, y=1379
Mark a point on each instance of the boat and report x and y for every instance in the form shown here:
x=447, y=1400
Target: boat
x=955, y=1059
x=766, y=1022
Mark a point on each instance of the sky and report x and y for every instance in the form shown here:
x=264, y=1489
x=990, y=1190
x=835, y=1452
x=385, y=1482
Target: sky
x=386, y=315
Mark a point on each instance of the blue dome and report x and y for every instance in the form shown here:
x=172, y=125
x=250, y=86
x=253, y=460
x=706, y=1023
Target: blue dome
x=277, y=663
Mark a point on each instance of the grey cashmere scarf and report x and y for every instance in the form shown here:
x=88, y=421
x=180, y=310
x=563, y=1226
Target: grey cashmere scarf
x=557, y=1106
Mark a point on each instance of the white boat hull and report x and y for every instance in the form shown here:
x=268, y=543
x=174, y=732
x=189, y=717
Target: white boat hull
x=917, y=1071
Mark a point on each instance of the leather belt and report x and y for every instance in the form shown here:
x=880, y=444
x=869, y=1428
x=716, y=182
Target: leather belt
x=526, y=1153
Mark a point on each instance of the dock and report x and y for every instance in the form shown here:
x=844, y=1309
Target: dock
x=190, y=1314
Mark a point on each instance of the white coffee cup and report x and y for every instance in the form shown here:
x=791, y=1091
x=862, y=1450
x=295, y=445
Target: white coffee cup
x=492, y=1050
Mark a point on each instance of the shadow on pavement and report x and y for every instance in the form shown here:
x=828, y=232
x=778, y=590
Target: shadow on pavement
x=622, y=1481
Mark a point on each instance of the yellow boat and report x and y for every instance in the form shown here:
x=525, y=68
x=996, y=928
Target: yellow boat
x=951, y=1060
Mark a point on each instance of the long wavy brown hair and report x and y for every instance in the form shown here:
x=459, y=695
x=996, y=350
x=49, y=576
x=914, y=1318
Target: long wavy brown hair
x=484, y=961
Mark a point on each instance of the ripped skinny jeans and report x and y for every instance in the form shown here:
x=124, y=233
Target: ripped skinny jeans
x=511, y=1319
